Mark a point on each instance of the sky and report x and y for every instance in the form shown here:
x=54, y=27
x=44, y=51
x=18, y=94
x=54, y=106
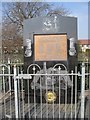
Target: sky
x=78, y=9
x=44, y=0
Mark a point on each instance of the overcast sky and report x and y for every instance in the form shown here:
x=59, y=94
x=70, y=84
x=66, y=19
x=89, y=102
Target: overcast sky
x=78, y=9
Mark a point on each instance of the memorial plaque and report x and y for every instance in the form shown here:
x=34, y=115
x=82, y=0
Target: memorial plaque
x=50, y=47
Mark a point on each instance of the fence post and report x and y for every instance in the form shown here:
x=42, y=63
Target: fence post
x=9, y=76
x=16, y=93
x=89, y=92
x=83, y=91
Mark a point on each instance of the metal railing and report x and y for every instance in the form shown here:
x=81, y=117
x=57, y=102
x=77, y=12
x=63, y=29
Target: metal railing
x=47, y=93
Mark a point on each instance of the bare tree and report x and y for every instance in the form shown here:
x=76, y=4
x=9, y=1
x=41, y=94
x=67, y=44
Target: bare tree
x=16, y=12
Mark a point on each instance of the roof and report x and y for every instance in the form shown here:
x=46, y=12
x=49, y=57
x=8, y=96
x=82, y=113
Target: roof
x=84, y=41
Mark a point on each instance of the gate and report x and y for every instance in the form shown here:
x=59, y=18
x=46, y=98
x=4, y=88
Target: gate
x=51, y=93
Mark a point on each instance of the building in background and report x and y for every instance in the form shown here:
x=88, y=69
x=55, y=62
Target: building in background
x=83, y=50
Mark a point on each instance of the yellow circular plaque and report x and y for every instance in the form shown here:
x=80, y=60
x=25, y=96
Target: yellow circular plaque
x=50, y=96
